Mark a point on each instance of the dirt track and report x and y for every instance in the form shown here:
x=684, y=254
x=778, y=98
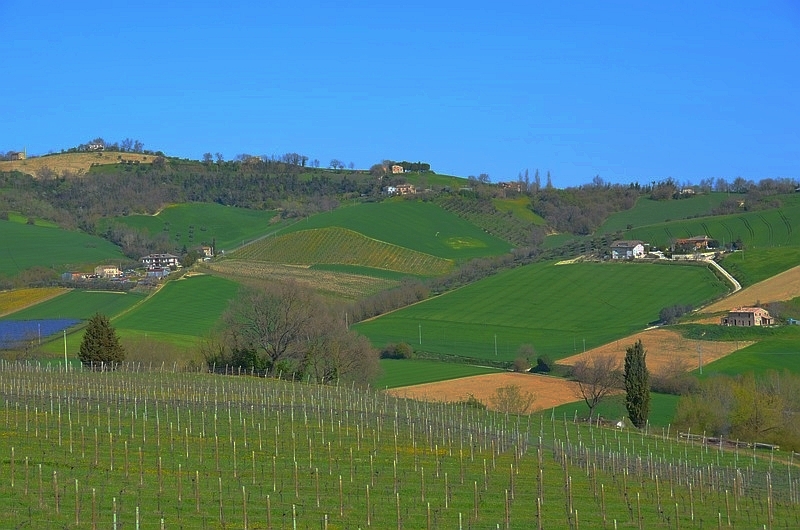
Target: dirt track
x=783, y=286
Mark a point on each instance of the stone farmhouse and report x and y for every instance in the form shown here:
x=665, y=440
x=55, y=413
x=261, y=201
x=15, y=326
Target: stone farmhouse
x=696, y=242
x=747, y=316
x=627, y=249
x=107, y=271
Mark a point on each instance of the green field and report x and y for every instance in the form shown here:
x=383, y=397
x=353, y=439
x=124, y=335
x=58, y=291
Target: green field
x=420, y=226
x=24, y=246
x=779, y=351
x=405, y=372
x=554, y=308
x=519, y=207
x=649, y=212
x=79, y=305
x=340, y=246
x=189, y=307
x=192, y=224
x=753, y=266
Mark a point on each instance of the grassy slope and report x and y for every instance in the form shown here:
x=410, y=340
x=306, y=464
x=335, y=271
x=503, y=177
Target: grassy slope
x=420, y=226
x=552, y=307
x=755, y=265
x=759, y=229
x=519, y=208
x=79, y=305
x=230, y=227
x=190, y=306
x=26, y=246
x=648, y=212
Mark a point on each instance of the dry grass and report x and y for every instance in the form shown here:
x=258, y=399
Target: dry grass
x=74, y=162
x=337, y=284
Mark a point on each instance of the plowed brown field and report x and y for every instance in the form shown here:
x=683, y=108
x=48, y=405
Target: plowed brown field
x=548, y=391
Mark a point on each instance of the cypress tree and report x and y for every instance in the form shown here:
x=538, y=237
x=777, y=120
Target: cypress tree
x=100, y=343
x=637, y=385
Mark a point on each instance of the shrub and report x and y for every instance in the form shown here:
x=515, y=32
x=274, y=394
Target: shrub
x=401, y=350
x=543, y=365
x=521, y=364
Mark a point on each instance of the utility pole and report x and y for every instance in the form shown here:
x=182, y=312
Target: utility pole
x=65, y=351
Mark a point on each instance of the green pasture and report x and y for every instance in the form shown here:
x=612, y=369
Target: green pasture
x=23, y=246
x=430, y=179
x=405, y=372
x=662, y=409
x=201, y=451
x=190, y=306
x=757, y=230
x=647, y=211
x=559, y=309
x=79, y=305
x=519, y=207
x=193, y=224
x=778, y=352
x=416, y=225
x=556, y=240
x=341, y=246
x=754, y=265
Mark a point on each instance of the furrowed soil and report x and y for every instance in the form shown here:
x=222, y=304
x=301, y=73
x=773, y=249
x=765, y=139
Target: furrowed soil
x=548, y=391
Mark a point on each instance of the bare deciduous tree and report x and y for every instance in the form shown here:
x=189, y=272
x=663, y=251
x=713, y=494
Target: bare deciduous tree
x=598, y=377
x=512, y=399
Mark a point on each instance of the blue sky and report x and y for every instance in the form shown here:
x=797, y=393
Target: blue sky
x=630, y=91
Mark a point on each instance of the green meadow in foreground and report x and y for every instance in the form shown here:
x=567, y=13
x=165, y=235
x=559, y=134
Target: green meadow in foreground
x=179, y=450
x=555, y=308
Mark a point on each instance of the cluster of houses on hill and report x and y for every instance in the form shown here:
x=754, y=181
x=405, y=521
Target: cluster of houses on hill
x=155, y=266
x=682, y=248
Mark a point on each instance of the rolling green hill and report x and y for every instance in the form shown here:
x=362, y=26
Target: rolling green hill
x=191, y=224
x=420, y=226
x=554, y=308
x=649, y=212
x=24, y=246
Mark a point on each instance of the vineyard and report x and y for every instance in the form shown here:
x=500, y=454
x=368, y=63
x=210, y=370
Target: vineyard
x=152, y=449
x=507, y=224
x=333, y=283
x=341, y=246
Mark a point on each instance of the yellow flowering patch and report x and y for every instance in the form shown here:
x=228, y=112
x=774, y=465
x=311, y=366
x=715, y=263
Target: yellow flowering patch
x=11, y=301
